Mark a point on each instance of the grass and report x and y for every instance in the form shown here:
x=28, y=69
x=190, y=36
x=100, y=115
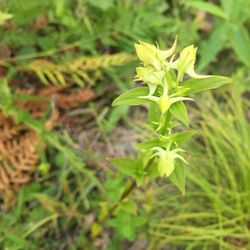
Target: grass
x=215, y=214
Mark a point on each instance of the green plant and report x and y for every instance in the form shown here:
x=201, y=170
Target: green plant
x=54, y=204
x=215, y=213
x=74, y=198
x=166, y=91
x=229, y=28
x=8, y=107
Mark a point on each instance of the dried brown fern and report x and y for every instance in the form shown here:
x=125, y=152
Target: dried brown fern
x=18, y=155
x=63, y=97
x=7, y=128
x=84, y=70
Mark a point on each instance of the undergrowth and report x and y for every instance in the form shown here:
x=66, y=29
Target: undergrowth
x=215, y=211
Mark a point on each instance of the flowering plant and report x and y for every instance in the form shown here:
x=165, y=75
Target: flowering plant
x=170, y=81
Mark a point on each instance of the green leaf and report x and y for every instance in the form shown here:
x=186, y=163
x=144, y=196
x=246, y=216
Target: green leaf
x=126, y=166
x=147, y=145
x=214, y=45
x=153, y=170
x=113, y=118
x=6, y=95
x=181, y=137
x=178, y=176
x=101, y=4
x=126, y=223
x=123, y=222
x=114, y=186
x=130, y=207
x=228, y=6
x=96, y=229
x=237, y=10
x=154, y=113
x=198, y=85
x=241, y=44
x=179, y=110
x=130, y=97
x=208, y=7
x=15, y=241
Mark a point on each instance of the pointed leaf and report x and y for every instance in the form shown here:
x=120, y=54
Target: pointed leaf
x=181, y=137
x=241, y=45
x=179, y=110
x=212, y=82
x=178, y=176
x=125, y=166
x=154, y=112
x=215, y=43
x=130, y=97
x=208, y=7
x=130, y=207
x=147, y=145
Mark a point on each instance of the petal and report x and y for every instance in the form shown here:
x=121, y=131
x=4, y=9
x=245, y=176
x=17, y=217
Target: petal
x=177, y=99
x=152, y=88
x=166, y=165
x=146, y=52
x=190, y=71
x=151, y=98
x=164, y=103
x=181, y=158
x=164, y=54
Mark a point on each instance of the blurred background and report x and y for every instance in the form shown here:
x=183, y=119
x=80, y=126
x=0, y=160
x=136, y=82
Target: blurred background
x=62, y=62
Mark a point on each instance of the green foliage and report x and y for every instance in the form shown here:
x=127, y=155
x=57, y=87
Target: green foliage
x=165, y=93
x=215, y=213
x=125, y=224
x=197, y=85
x=230, y=28
x=116, y=23
x=70, y=167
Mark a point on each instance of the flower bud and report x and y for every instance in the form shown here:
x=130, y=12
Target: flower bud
x=166, y=163
x=147, y=53
x=151, y=55
x=185, y=63
x=164, y=103
x=149, y=76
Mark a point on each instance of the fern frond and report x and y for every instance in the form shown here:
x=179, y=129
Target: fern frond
x=81, y=71
x=18, y=155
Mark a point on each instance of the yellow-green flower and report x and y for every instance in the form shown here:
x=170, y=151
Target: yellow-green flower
x=166, y=101
x=151, y=77
x=151, y=55
x=166, y=163
x=185, y=63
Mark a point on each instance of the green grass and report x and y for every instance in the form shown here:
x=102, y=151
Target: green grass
x=215, y=214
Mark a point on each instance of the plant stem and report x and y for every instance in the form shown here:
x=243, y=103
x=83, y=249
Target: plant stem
x=126, y=193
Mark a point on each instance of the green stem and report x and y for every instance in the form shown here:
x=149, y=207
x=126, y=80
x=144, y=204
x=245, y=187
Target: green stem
x=130, y=188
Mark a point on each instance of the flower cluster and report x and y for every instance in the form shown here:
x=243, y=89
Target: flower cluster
x=170, y=80
x=158, y=71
